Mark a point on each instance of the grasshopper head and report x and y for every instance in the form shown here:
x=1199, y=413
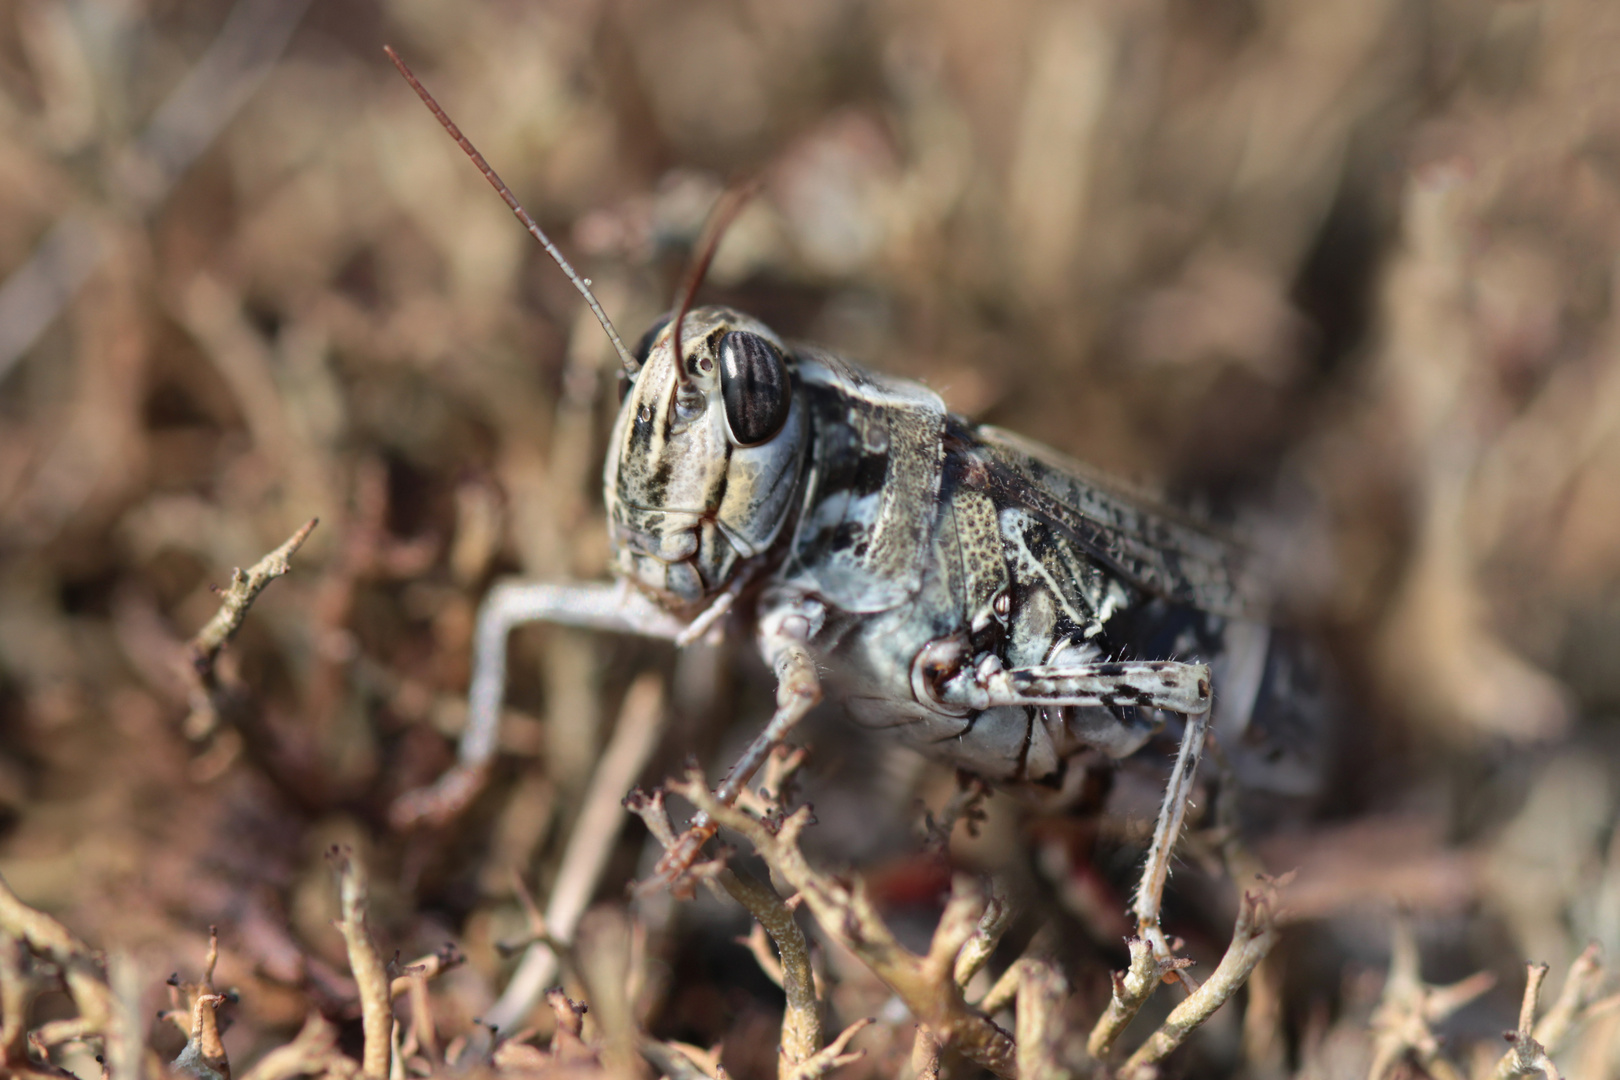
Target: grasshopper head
x=702, y=466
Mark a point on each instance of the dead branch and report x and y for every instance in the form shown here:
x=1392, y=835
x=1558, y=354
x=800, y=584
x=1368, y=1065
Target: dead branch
x=925, y=983
x=1576, y=1000
x=830, y=1057
x=204, y=1055
x=427, y=967
x=238, y=597
x=1403, y=1022
x=1252, y=937
x=977, y=952
x=1526, y=1055
x=196, y=1011
x=85, y=980
x=1041, y=995
x=801, y=1014
x=1132, y=988
x=370, y=976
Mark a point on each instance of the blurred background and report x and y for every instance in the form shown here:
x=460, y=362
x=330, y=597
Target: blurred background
x=1341, y=270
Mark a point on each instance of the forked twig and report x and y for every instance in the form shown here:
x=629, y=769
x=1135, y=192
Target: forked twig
x=845, y=911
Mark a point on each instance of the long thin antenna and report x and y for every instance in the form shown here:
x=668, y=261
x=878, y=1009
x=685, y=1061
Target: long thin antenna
x=630, y=366
x=720, y=218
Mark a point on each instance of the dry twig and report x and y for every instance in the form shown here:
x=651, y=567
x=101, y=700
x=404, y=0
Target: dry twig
x=1402, y=1023
x=925, y=983
x=370, y=976
x=235, y=601
x=1252, y=937
x=641, y=720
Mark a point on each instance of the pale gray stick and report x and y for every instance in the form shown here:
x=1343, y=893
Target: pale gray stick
x=634, y=738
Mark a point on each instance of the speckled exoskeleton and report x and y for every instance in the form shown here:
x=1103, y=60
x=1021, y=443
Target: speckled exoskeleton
x=980, y=598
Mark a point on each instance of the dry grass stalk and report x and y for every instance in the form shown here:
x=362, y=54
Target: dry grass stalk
x=370, y=975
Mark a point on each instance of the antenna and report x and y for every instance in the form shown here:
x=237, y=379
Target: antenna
x=720, y=218
x=631, y=368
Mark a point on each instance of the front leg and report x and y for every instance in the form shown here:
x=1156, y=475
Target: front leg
x=784, y=638
x=597, y=606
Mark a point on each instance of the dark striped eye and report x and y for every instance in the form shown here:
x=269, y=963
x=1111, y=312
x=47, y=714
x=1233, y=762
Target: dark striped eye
x=754, y=385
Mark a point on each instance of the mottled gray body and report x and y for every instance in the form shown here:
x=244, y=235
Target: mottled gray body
x=967, y=591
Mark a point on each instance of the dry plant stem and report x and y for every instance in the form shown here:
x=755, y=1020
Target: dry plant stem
x=422, y=1017
x=830, y=1057
x=1172, y=813
x=1574, y=999
x=127, y=1055
x=51, y=939
x=976, y=953
x=1132, y=988
x=801, y=1015
x=1041, y=994
x=309, y=1054
x=239, y=596
x=924, y=983
x=1402, y=1022
x=641, y=721
x=1526, y=1055
x=16, y=992
x=427, y=967
x=204, y=1055
x=197, y=1010
x=1252, y=937
x=370, y=976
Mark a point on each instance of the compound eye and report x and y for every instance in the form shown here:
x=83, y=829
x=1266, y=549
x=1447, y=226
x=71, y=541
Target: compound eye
x=754, y=385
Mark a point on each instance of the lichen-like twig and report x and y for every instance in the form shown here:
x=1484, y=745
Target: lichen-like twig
x=925, y=983
x=1252, y=937
x=1525, y=1054
x=1132, y=988
x=244, y=588
x=1041, y=994
x=1403, y=1022
x=370, y=976
x=801, y=1014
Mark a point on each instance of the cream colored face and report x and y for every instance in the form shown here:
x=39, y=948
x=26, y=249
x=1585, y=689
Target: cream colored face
x=701, y=476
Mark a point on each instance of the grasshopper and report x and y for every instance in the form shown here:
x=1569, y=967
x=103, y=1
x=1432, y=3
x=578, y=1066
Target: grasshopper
x=974, y=594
